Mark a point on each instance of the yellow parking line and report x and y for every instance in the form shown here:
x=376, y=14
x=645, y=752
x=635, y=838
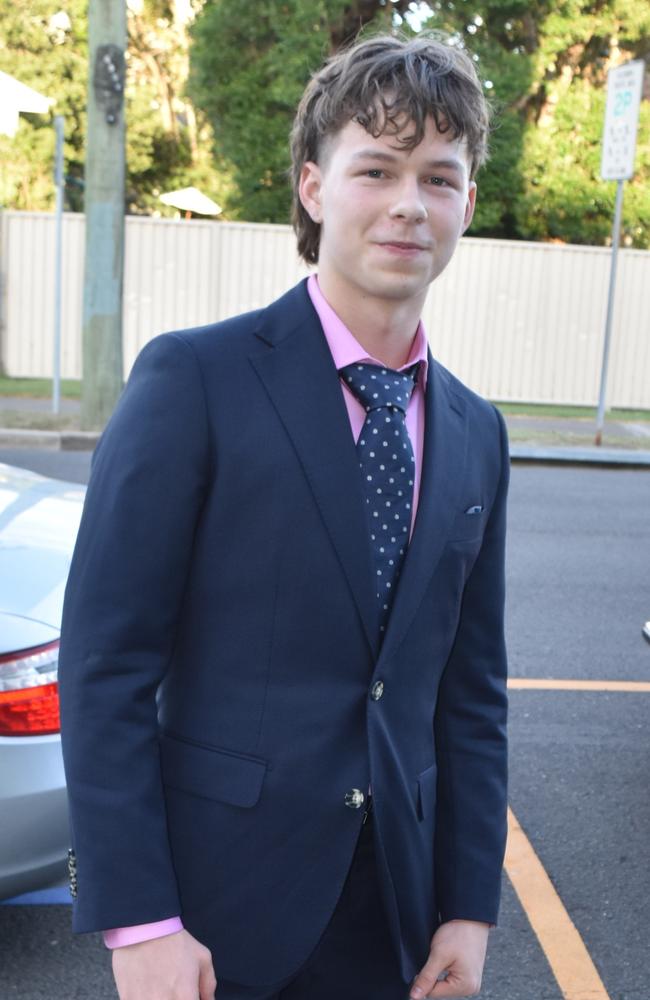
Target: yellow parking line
x=548, y=684
x=566, y=954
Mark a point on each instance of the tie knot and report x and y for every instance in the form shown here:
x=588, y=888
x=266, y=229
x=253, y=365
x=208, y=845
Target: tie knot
x=375, y=387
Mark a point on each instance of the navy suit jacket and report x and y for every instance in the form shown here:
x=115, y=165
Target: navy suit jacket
x=220, y=645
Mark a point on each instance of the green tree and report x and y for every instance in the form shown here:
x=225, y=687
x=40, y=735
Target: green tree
x=249, y=65
x=169, y=145
x=545, y=64
x=43, y=43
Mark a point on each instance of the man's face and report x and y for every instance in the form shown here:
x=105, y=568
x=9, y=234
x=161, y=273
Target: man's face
x=390, y=217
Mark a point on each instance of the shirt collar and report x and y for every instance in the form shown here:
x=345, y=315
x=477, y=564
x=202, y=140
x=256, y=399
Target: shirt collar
x=346, y=349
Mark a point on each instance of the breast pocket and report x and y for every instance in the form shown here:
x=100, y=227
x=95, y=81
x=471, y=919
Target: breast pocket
x=468, y=527
x=211, y=772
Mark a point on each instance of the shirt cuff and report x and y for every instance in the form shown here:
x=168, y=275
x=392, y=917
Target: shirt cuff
x=119, y=937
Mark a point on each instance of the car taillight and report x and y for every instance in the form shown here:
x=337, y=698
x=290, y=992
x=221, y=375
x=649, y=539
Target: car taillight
x=29, y=697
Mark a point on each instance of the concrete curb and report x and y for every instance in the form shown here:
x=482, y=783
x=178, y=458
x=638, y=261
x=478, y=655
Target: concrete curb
x=576, y=455
x=520, y=452
x=53, y=440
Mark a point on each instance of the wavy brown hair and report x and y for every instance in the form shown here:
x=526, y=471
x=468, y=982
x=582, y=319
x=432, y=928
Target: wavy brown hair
x=383, y=82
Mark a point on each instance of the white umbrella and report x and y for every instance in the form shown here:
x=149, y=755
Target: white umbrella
x=16, y=97
x=190, y=199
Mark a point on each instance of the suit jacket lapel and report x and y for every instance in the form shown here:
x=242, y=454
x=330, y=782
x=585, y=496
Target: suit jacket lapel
x=443, y=463
x=299, y=375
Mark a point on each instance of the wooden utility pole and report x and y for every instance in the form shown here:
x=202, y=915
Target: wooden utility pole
x=104, y=210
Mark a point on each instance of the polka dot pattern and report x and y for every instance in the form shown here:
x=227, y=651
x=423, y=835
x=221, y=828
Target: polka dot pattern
x=387, y=468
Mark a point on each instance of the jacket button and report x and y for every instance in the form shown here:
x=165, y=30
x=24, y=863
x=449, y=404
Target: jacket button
x=377, y=690
x=354, y=799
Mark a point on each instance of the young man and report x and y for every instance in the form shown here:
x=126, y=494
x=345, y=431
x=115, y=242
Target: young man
x=282, y=664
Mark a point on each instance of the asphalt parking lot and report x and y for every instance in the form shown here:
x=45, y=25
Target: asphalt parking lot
x=574, y=922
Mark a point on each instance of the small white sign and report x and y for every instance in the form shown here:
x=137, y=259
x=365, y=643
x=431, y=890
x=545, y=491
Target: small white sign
x=624, y=86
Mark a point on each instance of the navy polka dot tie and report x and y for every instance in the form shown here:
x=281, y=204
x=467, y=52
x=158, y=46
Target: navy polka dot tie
x=387, y=467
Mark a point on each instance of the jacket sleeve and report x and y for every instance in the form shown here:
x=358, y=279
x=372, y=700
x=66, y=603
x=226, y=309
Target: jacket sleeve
x=123, y=599
x=470, y=726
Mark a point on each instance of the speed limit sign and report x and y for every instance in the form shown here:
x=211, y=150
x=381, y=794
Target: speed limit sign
x=624, y=86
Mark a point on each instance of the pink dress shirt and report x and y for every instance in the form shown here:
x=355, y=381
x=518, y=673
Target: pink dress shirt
x=345, y=350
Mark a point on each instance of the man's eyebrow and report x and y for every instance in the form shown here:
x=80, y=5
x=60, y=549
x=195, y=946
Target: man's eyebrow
x=450, y=163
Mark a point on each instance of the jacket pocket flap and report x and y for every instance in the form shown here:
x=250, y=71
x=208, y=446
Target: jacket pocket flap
x=427, y=780
x=223, y=775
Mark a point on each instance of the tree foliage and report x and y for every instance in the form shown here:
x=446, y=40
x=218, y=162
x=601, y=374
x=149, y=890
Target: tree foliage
x=47, y=53
x=544, y=64
x=169, y=145
x=43, y=43
x=249, y=65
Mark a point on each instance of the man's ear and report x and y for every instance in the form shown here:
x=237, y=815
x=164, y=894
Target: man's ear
x=309, y=190
x=470, y=205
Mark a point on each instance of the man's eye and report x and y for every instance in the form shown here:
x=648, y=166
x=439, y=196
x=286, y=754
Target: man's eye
x=375, y=173
x=438, y=181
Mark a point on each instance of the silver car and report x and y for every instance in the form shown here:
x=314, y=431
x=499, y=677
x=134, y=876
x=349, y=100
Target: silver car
x=39, y=519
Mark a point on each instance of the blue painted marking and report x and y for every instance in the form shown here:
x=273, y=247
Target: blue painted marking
x=44, y=897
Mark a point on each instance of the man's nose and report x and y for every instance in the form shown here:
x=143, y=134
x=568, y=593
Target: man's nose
x=408, y=203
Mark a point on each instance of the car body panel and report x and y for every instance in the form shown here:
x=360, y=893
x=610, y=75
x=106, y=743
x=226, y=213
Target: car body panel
x=18, y=633
x=39, y=519
x=34, y=833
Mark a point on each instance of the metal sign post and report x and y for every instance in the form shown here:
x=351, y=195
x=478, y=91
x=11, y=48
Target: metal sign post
x=59, y=181
x=624, y=86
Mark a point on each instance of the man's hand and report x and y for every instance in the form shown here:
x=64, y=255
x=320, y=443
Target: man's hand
x=457, y=952
x=174, y=967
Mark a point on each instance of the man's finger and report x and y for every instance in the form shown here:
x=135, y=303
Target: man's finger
x=455, y=986
x=431, y=974
x=207, y=981
x=207, y=988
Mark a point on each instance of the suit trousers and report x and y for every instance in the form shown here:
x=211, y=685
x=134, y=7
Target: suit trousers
x=355, y=958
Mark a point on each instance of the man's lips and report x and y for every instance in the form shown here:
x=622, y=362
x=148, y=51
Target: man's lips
x=403, y=244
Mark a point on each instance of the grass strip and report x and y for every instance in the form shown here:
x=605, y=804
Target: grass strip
x=41, y=388
x=38, y=388
x=569, y=412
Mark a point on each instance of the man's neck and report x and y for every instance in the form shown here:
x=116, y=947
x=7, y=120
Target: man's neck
x=385, y=328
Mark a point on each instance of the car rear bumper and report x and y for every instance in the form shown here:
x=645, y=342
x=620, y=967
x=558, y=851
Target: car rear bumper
x=34, y=833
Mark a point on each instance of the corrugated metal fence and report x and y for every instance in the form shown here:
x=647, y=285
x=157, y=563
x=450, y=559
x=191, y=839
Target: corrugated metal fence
x=515, y=321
